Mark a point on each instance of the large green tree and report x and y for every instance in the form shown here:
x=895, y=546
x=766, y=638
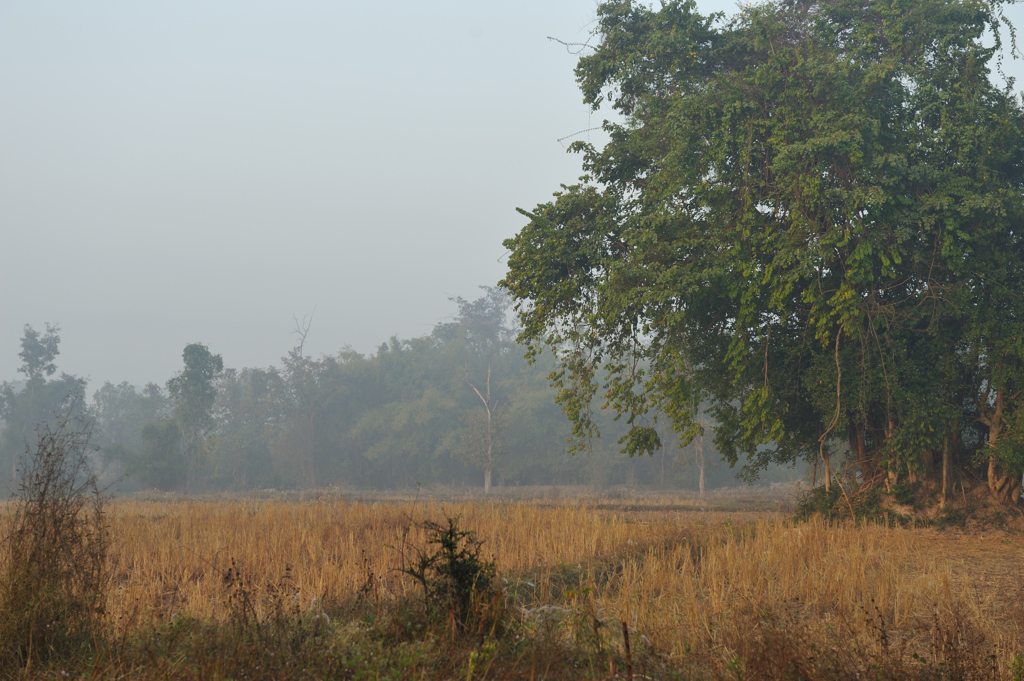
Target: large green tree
x=808, y=218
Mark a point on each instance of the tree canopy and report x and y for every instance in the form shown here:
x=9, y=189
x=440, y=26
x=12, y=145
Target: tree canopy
x=808, y=215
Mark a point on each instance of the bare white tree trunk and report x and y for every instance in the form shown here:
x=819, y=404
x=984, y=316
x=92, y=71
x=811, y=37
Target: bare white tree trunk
x=698, y=449
x=662, y=465
x=489, y=461
x=945, y=470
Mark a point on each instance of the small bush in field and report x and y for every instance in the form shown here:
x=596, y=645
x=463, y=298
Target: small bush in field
x=53, y=566
x=456, y=581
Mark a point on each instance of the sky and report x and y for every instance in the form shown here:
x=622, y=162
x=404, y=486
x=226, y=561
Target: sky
x=203, y=171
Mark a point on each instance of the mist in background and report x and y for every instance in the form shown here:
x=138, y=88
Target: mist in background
x=193, y=171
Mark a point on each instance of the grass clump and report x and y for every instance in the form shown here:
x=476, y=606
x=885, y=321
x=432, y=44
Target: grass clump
x=954, y=517
x=53, y=567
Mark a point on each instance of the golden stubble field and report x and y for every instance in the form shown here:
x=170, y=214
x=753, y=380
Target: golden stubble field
x=695, y=586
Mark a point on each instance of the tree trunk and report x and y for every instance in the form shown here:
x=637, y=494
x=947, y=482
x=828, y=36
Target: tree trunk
x=945, y=471
x=859, y=448
x=828, y=472
x=310, y=458
x=490, y=441
x=698, y=450
x=1003, y=487
x=662, y=485
x=928, y=459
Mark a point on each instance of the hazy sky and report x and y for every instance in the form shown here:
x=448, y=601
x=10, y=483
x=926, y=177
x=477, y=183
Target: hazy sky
x=173, y=172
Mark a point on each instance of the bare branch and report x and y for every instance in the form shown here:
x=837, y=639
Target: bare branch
x=302, y=330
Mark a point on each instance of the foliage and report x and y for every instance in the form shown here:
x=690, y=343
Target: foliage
x=122, y=411
x=482, y=327
x=159, y=463
x=53, y=570
x=250, y=415
x=38, y=352
x=122, y=415
x=831, y=504
x=905, y=492
x=806, y=217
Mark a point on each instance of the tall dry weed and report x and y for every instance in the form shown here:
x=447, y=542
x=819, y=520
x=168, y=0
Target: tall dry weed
x=53, y=563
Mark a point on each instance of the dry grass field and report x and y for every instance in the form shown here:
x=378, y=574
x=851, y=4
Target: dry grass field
x=708, y=594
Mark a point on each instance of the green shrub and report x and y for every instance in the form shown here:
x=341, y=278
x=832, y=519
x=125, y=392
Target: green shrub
x=457, y=583
x=905, y=493
x=817, y=501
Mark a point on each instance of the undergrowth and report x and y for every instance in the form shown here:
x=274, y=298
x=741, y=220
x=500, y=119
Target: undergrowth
x=878, y=505
x=833, y=504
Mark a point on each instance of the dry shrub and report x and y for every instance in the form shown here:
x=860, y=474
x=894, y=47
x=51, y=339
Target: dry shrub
x=52, y=570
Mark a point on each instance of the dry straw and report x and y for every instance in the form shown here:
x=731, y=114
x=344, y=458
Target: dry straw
x=695, y=586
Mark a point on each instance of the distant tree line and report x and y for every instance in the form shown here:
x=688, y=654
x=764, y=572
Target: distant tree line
x=460, y=406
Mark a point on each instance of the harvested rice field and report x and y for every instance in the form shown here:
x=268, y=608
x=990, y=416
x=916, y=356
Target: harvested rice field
x=327, y=587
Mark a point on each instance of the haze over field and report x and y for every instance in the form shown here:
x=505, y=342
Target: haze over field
x=172, y=173
x=196, y=172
